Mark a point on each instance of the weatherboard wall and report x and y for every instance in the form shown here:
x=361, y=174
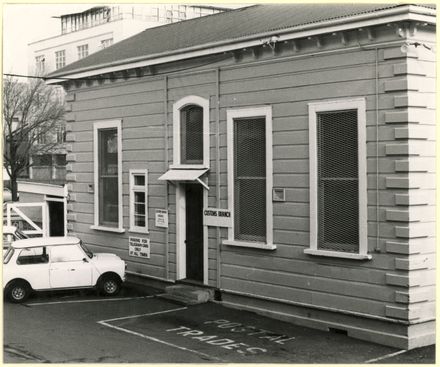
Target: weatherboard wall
x=396, y=284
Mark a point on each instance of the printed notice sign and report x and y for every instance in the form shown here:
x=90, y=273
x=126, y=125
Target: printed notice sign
x=162, y=218
x=217, y=217
x=139, y=247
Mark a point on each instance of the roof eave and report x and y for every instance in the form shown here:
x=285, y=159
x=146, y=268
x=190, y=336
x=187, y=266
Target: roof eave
x=404, y=13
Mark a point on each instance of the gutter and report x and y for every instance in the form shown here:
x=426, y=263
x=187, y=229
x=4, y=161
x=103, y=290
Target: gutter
x=404, y=13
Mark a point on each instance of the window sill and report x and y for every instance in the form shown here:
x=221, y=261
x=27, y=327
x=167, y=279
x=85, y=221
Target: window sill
x=137, y=230
x=341, y=255
x=260, y=245
x=188, y=166
x=108, y=229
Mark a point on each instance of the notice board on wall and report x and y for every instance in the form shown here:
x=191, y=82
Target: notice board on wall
x=139, y=247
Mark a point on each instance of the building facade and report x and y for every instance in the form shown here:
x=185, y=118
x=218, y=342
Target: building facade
x=283, y=155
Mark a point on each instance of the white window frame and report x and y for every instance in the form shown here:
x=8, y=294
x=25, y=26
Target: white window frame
x=108, y=124
x=106, y=42
x=133, y=188
x=82, y=49
x=60, y=59
x=231, y=115
x=177, y=107
x=358, y=104
x=40, y=62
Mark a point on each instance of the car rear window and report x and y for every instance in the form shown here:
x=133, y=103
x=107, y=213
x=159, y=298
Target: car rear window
x=34, y=255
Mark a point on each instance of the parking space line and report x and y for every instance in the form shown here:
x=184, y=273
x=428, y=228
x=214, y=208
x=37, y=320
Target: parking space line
x=87, y=300
x=145, y=314
x=386, y=356
x=160, y=341
x=106, y=323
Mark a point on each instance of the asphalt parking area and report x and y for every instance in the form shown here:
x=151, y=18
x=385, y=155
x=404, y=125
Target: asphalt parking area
x=137, y=320
x=221, y=334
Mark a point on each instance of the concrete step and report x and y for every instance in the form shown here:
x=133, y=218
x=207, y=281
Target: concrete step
x=188, y=295
x=178, y=300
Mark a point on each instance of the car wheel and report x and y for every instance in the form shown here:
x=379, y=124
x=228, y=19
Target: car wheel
x=18, y=292
x=110, y=285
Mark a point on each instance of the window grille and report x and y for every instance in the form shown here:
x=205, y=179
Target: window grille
x=338, y=181
x=250, y=179
x=108, y=176
x=191, y=129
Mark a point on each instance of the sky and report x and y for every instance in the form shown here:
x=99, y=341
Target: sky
x=25, y=23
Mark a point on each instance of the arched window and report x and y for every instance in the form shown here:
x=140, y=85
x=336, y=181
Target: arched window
x=191, y=135
x=191, y=132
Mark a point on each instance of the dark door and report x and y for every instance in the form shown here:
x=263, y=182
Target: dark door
x=194, y=231
x=56, y=218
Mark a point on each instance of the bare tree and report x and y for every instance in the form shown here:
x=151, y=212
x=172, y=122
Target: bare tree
x=30, y=111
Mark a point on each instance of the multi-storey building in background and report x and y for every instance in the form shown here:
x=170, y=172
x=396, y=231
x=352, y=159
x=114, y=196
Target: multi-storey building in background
x=94, y=29
x=85, y=33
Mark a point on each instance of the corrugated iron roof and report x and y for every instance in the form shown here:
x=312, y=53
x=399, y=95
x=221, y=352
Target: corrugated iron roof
x=231, y=25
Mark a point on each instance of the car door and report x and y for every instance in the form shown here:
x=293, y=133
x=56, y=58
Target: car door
x=69, y=267
x=33, y=265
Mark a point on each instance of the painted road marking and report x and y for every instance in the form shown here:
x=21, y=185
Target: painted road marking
x=217, y=341
x=236, y=327
x=87, y=300
x=206, y=338
x=145, y=314
x=160, y=341
x=106, y=323
x=386, y=356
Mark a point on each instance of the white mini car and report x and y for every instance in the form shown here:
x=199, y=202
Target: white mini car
x=54, y=263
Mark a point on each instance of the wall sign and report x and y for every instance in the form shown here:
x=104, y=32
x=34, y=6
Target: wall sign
x=139, y=247
x=217, y=217
x=162, y=218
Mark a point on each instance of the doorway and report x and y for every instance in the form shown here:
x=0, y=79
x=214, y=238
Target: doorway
x=194, y=231
x=56, y=216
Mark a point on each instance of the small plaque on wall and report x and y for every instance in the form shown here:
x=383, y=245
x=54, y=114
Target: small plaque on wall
x=278, y=194
x=161, y=218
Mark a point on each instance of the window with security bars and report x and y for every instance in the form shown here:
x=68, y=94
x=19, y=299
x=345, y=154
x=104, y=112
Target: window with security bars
x=138, y=201
x=108, y=176
x=191, y=135
x=338, y=181
x=250, y=179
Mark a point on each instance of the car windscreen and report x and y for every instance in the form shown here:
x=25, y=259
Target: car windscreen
x=86, y=250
